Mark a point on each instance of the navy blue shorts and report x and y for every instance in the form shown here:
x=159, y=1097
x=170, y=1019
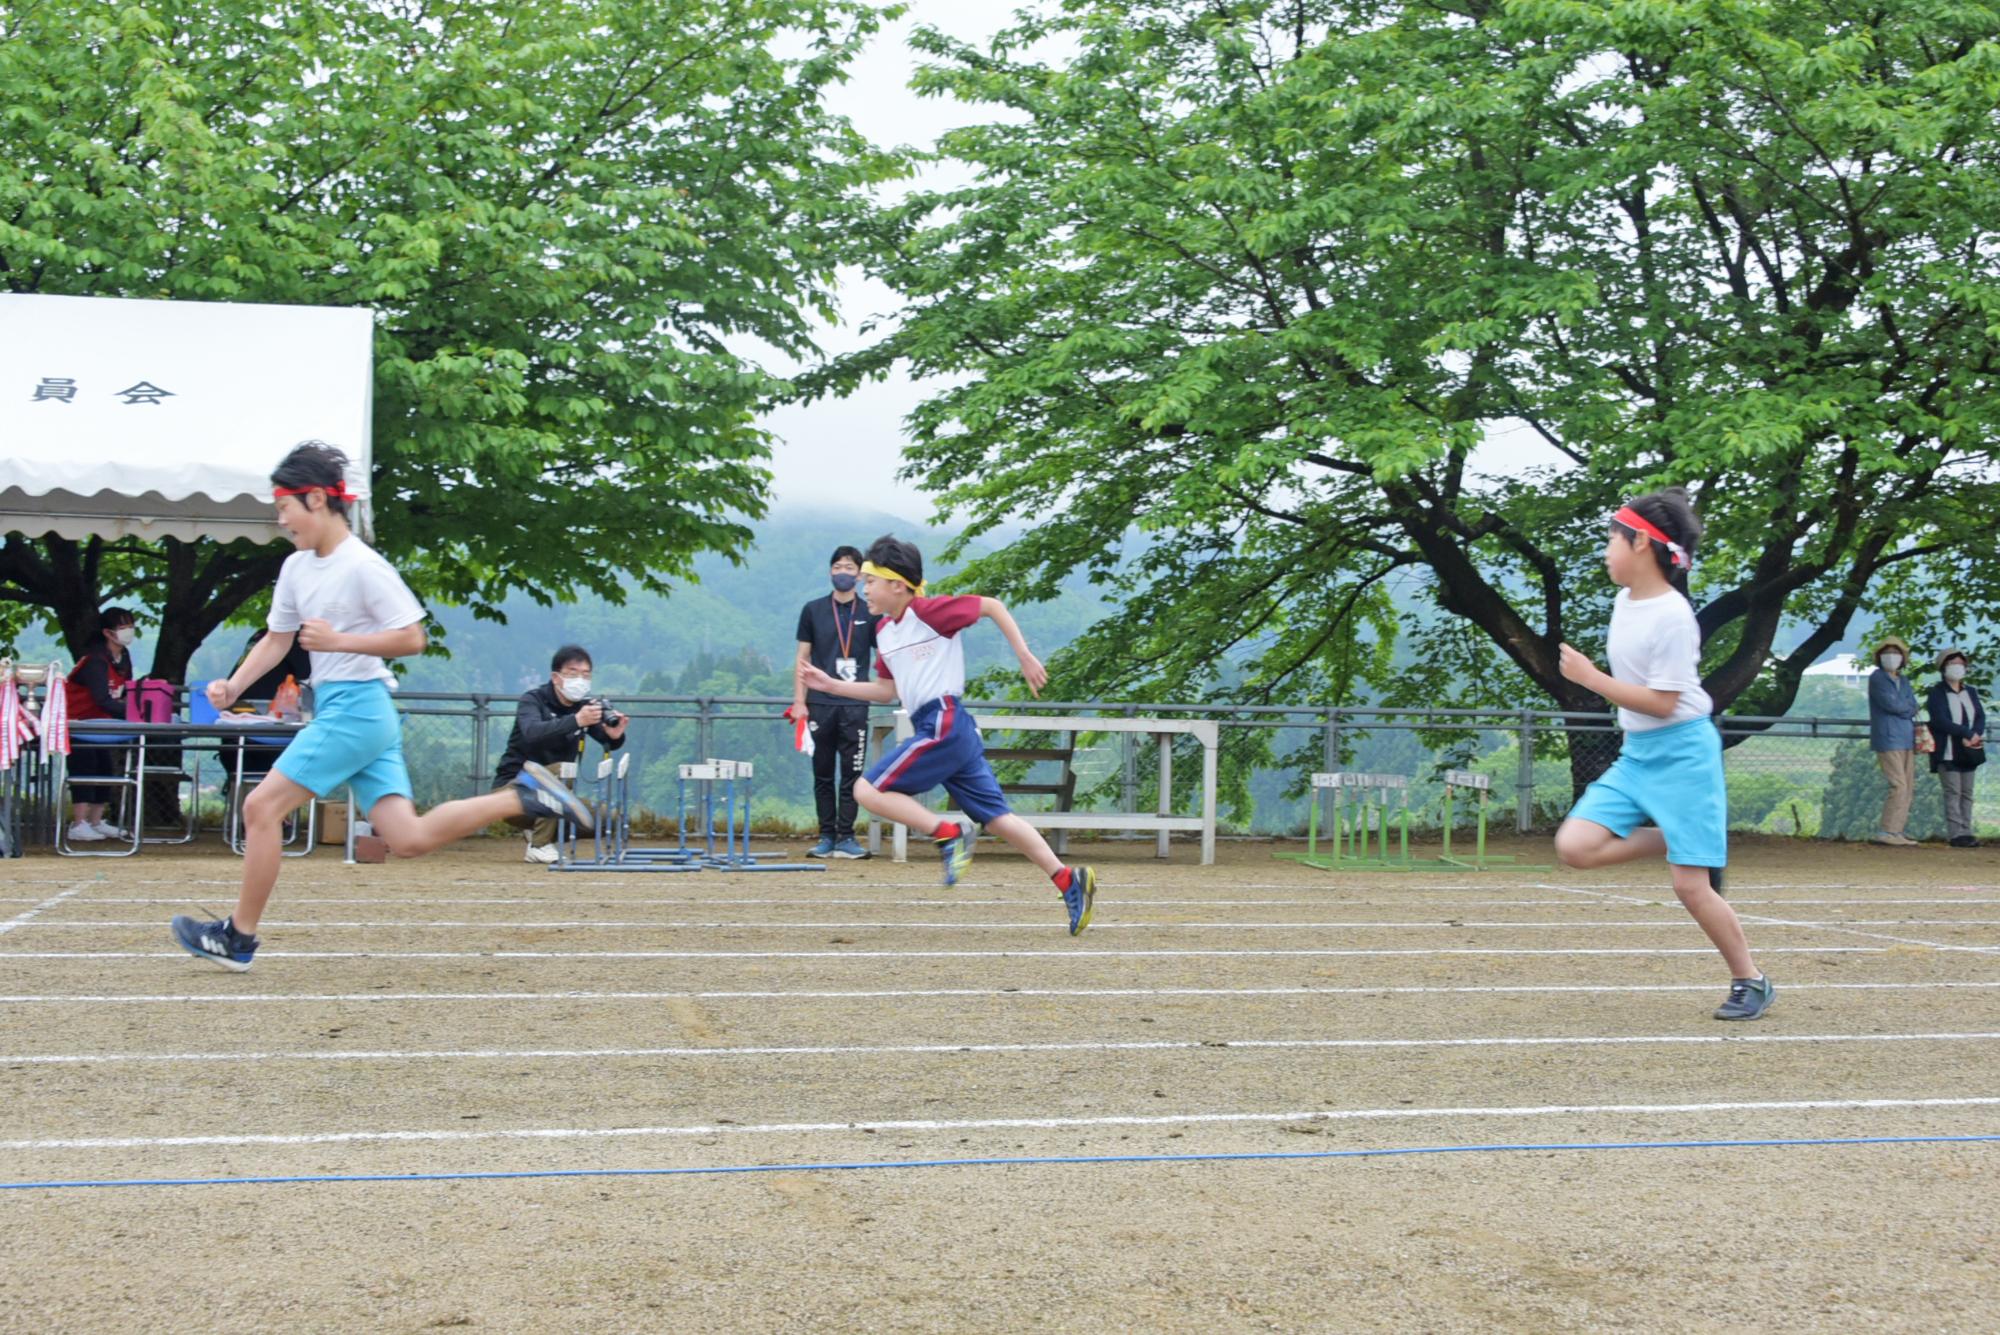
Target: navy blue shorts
x=945, y=752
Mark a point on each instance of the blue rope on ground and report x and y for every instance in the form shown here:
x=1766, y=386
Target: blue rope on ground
x=1026, y=1161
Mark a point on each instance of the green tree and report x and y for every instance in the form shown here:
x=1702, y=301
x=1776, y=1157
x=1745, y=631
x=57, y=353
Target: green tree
x=1851, y=807
x=567, y=218
x=1259, y=278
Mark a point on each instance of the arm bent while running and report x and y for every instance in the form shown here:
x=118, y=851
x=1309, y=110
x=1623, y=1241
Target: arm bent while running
x=879, y=692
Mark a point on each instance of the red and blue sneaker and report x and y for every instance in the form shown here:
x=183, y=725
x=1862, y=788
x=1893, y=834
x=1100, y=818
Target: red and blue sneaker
x=954, y=846
x=1078, y=897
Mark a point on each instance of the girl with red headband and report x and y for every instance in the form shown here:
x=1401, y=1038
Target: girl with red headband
x=1664, y=797
x=350, y=609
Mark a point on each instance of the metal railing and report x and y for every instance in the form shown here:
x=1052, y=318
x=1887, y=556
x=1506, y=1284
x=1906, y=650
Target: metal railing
x=1796, y=776
x=1789, y=775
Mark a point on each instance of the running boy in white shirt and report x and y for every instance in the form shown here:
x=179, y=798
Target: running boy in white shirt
x=350, y=610
x=919, y=659
x=1669, y=770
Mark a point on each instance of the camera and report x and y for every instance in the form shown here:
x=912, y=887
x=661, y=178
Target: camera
x=612, y=718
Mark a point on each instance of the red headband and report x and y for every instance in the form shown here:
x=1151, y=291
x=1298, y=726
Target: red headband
x=1638, y=523
x=338, y=491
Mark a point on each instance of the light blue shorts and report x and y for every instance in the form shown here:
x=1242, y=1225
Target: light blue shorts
x=1670, y=777
x=355, y=739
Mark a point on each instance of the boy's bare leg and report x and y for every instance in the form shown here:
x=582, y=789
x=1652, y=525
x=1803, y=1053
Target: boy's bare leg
x=264, y=811
x=410, y=835
x=898, y=807
x=1716, y=919
x=1027, y=841
x=1585, y=844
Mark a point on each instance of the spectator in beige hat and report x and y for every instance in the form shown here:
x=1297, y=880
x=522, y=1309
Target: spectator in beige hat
x=1892, y=736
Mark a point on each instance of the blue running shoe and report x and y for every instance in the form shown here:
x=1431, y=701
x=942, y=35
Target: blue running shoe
x=850, y=847
x=822, y=849
x=1749, y=998
x=956, y=854
x=217, y=942
x=543, y=794
x=1078, y=899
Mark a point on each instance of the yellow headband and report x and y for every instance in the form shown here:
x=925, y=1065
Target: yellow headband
x=883, y=572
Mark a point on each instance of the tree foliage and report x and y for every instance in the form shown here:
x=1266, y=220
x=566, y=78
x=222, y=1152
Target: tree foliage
x=1257, y=280
x=568, y=218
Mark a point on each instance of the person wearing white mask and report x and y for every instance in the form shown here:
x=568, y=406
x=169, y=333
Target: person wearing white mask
x=552, y=724
x=1892, y=736
x=97, y=690
x=1958, y=721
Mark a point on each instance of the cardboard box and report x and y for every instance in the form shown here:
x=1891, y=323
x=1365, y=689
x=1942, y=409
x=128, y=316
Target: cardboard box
x=333, y=822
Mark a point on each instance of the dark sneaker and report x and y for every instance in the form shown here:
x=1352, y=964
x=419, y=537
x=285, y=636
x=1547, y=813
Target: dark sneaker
x=1079, y=897
x=956, y=854
x=850, y=848
x=1965, y=841
x=1749, y=998
x=543, y=794
x=822, y=849
x=217, y=942
x=1715, y=881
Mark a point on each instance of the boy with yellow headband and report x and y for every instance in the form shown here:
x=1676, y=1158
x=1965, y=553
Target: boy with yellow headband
x=919, y=659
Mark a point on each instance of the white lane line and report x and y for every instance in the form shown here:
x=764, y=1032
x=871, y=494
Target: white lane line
x=1678, y=921
x=943, y=954
x=1328, y=900
x=1602, y=894
x=990, y=1123
x=1787, y=922
x=877, y=994
x=925, y=1049
x=23, y=919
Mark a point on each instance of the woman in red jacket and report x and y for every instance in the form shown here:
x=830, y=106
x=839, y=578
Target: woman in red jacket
x=97, y=690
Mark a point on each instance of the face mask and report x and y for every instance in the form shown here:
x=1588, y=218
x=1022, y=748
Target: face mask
x=125, y=635
x=575, y=688
x=1956, y=672
x=1892, y=661
x=845, y=583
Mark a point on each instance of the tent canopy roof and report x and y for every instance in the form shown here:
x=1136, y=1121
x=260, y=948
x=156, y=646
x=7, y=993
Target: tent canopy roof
x=157, y=419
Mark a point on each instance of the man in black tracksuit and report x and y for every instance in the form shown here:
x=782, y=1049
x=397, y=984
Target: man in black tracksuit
x=551, y=724
x=837, y=636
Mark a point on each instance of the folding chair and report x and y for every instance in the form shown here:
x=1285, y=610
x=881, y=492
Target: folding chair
x=244, y=770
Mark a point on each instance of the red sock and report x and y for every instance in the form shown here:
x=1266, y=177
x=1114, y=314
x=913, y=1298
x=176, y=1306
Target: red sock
x=1062, y=879
x=947, y=830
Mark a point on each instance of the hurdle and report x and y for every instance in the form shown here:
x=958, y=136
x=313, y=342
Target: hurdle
x=1353, y=830
x=708, y=774
x=611, y=843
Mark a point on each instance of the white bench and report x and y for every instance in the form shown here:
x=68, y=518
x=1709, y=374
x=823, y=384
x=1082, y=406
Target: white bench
x=1163, y=821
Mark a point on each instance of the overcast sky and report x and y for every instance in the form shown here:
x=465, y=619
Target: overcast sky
x=846, y=452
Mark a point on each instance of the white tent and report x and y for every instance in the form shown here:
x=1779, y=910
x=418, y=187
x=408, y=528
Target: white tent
x=163, y=419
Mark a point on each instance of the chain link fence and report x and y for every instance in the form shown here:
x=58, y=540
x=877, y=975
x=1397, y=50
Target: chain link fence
x=1787, y=776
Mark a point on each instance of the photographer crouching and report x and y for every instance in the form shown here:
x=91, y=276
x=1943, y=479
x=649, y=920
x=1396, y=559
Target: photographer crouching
x=551, y=726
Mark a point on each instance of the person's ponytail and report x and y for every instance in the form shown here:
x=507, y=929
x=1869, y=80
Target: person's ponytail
x=1669, y=511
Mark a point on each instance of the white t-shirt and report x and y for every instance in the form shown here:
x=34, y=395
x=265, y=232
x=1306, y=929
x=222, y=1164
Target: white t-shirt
x=356, y=592
x=920, y=651
x=1655, y=642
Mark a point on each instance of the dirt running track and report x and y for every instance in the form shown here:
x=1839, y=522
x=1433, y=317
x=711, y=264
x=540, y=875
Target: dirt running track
x=468, y=1017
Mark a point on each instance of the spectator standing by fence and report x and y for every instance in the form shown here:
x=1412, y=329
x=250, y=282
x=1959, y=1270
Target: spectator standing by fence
x=837, y=636
x=1958, y=721
x=1892, y=736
